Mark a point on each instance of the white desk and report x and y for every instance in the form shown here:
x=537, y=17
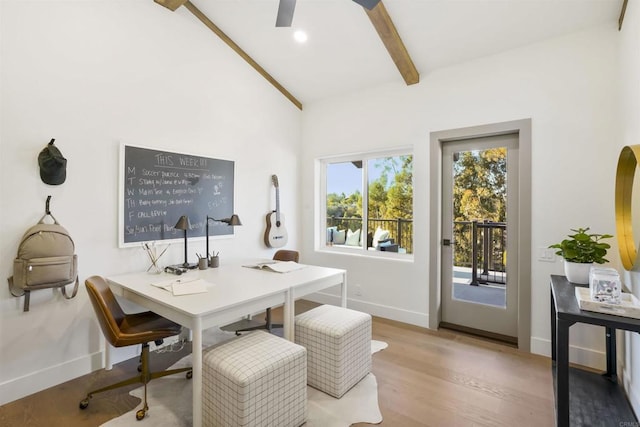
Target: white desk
x=233, y=291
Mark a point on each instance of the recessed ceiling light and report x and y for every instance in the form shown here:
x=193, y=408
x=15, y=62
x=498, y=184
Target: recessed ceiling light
x=300, y=36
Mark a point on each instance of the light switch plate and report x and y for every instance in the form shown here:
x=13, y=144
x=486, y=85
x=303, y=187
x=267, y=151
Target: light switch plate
x=546, y=255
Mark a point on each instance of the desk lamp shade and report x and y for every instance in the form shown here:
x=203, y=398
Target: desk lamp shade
x=184, y=224
x=233, y=221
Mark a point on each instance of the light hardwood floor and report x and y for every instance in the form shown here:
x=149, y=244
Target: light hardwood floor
x=425, y=378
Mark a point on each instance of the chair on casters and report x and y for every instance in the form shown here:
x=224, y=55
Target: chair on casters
x=122, y=330
x=280, y=255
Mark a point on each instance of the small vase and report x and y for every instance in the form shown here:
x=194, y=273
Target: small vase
x=577, y=273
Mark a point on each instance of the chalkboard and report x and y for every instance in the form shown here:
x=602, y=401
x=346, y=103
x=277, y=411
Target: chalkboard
x=158, y=187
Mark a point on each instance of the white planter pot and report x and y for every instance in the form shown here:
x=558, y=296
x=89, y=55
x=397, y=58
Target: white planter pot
x=577, y=273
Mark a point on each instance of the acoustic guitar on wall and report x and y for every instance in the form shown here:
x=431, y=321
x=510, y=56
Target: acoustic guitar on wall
x=275, y=235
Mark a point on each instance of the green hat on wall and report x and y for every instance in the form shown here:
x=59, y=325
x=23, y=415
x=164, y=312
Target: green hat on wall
x=53, y=165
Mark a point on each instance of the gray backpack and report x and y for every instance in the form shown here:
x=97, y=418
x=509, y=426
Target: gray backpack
x=45, y=259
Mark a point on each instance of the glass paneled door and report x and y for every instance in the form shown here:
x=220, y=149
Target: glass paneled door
x=479, y=229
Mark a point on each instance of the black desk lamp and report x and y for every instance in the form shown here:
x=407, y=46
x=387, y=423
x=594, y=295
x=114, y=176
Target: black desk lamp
x=184, y=224
x=232, y=221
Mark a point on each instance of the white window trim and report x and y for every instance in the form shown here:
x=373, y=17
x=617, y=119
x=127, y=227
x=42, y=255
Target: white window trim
x=321, y=201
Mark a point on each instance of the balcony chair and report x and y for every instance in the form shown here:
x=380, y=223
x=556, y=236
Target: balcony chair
x=122, y=330
x=280, y=255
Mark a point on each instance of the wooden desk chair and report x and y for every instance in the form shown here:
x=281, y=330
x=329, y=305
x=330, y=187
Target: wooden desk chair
x=122, y=330
x=280, y=255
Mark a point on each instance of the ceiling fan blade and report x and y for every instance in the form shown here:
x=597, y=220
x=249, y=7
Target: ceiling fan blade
x=285, y=13
x=369, y=4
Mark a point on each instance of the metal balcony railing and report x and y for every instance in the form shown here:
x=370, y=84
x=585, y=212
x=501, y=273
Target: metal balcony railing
x=400, y=230
x=478, y=245
x=481, y=246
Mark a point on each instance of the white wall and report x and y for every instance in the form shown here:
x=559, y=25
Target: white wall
x=629, y=79
x=94, y=74
x=567, y=86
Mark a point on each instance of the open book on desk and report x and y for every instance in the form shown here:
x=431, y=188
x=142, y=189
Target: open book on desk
x=184, y=286
x=276, y=266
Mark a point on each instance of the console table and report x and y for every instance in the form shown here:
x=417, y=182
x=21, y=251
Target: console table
x=595, y=398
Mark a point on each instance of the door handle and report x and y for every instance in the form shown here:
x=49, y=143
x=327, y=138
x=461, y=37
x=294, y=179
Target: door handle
x=446, y=242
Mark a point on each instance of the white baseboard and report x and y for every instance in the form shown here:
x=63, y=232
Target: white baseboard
x=540, y=346
x=34, y=382
x=582, y=356
x=632, y=393
x=393, y=313
x=23, y=386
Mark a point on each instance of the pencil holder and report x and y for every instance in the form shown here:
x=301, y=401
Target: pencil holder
x=214, y=262
x=154, y=257
x=154, y=268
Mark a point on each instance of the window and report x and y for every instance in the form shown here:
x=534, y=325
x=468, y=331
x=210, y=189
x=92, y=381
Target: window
x=368, y=202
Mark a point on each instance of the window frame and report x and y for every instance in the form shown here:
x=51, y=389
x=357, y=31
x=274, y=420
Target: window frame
x=321, y=202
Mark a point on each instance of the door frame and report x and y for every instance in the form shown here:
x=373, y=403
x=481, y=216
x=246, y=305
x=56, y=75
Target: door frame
x=523, y=129
x=499, y=321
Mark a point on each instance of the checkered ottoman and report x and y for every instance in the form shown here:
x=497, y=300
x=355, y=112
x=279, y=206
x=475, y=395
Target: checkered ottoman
x=338, y=343
x=257, y=379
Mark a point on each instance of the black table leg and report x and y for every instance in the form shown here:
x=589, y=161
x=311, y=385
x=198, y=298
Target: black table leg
x=562, y=372
x=612, y=368
x=553, y=328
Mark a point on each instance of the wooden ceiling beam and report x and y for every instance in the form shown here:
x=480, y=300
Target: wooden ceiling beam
x=622, y=12
x=389, y=35
x=174, y=4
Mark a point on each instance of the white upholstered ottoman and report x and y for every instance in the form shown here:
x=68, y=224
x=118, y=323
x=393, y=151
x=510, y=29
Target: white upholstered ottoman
x=338, y=343
x=257, y=379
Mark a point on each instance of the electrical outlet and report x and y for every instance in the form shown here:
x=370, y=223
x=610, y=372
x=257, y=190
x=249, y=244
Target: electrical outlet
x=358, y=290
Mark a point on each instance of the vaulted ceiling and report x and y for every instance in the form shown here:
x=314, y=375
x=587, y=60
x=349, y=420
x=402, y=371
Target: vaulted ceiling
x=345, y=52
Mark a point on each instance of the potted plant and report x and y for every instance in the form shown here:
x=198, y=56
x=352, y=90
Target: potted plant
x=580, y=251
